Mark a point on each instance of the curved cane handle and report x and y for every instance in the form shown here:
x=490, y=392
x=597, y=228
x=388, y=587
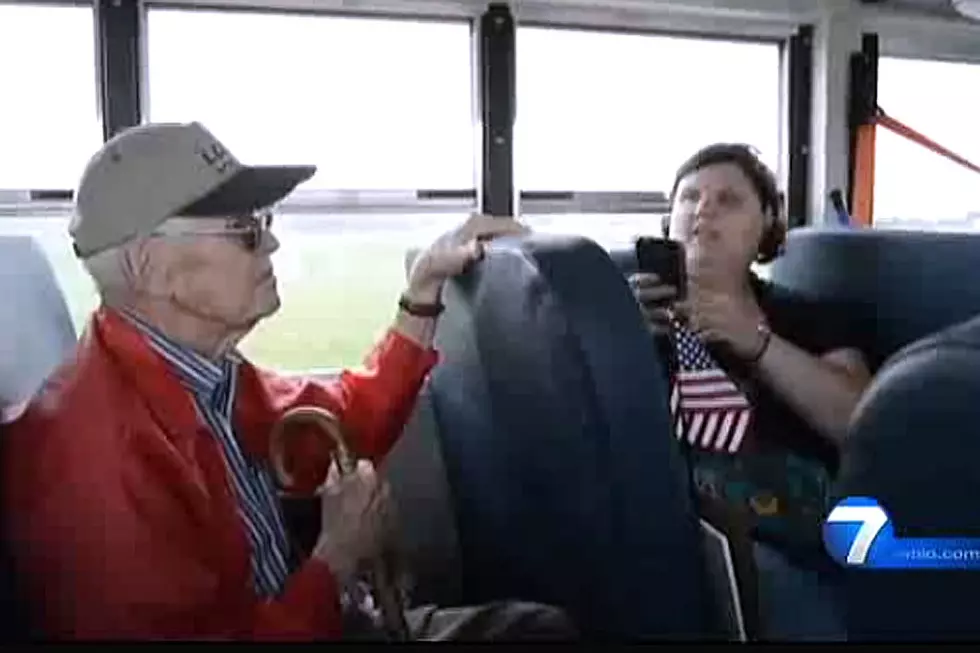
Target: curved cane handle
x=325, y=421
x=386, y=591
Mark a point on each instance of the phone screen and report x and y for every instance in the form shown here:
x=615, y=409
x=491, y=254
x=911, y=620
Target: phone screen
x=665, y=258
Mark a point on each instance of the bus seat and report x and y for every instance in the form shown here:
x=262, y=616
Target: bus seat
x=426, y=530
x=36, y=331
x=36, y=335
x=625, y=260
x=912, y=284
x=424, y=538
x=914, y=448
x=546, y=406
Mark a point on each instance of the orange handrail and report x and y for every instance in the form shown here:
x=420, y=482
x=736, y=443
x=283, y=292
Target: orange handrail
x=862, y=194
x=919, y=138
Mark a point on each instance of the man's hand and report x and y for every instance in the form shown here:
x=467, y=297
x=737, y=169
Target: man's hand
x=353, y=520
x=453, y=252
x=728, y=318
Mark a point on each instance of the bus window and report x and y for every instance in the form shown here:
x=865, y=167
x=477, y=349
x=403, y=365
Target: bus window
x=49, y=127
x=611, y=230
x=602, y=111
x=916, y=188
x=382, y=107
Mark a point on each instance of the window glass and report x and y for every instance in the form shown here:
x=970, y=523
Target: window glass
x=338, y=285
x=602, y=111
x=916, y=188
x=375, y=104
x=339, y=278
x=611, y=231
x=49, y=127
x=49, y=123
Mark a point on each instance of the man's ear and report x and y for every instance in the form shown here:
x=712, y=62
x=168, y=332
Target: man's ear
x=146, y=265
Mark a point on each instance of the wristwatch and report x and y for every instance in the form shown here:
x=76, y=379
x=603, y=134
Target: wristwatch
x=420, y=309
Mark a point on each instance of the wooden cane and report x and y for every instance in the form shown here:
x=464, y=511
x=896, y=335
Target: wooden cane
x=382, y=578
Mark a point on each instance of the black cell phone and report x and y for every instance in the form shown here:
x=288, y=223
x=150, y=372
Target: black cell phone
x=665, y=258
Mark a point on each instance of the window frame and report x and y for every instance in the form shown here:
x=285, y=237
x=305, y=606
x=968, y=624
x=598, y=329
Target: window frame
x=50, y=3
x=9, y=196
x=541, y=202
x=340, y=200
x=949, y=223
x=771, y=23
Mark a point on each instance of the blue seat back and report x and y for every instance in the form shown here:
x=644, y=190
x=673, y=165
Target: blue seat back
x=912, y=284
x=36, y=331
x=914, y=448
x=551, y=411
x=912, y=445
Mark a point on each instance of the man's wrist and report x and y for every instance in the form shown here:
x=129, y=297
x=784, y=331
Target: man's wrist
x=423, y=293
x=340, y=565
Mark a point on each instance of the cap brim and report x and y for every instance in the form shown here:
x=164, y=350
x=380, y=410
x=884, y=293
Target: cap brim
x=250, y=189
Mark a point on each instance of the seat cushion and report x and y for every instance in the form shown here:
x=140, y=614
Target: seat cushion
x=552, y=413
x=426, y=523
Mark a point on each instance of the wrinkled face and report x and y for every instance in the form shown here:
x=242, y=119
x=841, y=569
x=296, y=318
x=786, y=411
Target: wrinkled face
x=718, y=216
x=218, y=270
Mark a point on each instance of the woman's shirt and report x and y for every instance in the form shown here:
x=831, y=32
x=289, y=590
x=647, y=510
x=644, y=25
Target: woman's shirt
x=781, y=476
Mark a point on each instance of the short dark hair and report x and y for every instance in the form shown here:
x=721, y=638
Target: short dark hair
x=763, y=181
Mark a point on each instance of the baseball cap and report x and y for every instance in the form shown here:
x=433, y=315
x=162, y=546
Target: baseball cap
x=149, y=173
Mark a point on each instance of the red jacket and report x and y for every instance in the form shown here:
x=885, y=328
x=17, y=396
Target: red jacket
x=117, y=504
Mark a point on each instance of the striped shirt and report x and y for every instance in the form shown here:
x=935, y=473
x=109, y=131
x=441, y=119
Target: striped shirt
x=212, y=386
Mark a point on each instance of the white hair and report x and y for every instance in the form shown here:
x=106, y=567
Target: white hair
x=112, y=271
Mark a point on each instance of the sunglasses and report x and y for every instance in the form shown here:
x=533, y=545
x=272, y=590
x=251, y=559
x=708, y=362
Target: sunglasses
x=249, y=230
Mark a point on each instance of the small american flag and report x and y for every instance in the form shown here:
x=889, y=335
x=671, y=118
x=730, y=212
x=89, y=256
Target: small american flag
x=709, y=411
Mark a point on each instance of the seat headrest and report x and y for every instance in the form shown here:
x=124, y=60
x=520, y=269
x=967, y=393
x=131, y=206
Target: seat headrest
x=913, y=283
x=913, y=447
x=552, y=410
x=36, y=330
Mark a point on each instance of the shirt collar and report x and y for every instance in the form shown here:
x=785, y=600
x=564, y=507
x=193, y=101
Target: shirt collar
x=198, y=373
x=176, y=409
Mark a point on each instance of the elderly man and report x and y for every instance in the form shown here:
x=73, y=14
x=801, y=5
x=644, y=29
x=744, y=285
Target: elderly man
x=139, y=498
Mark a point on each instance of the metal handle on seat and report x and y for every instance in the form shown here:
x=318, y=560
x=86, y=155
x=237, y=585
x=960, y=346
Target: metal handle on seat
x=382, y=578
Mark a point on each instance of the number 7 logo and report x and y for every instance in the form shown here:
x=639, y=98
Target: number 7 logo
x=872, y=520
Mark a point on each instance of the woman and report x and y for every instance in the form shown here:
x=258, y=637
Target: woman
x=796, y=363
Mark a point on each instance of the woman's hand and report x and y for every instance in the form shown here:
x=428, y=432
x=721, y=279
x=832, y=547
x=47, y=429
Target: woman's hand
x=729, y=318
x=655, y=299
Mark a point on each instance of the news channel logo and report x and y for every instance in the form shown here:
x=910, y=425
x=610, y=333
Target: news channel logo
x=858, y=533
